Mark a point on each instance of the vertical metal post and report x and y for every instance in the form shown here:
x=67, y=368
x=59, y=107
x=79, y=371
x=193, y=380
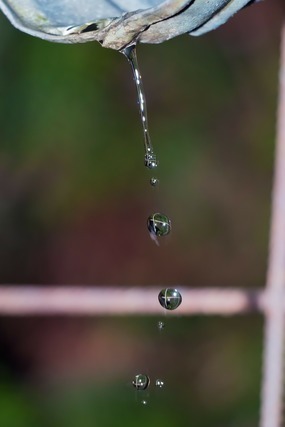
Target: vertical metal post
x=273, y=369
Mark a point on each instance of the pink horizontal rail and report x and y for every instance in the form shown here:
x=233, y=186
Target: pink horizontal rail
x=81, y=300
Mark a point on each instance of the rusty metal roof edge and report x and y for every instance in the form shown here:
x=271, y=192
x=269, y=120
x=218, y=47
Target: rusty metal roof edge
x=151, y=25
x=117, y=33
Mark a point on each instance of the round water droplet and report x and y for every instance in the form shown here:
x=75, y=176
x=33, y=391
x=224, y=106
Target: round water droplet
x=169, y=298
x=144, y=402
x=161, y=325
x=141, y=382
x=154, y=181
x=159, y=383
x=158, y=224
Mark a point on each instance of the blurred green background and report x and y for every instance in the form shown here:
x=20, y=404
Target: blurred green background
x=74, y=198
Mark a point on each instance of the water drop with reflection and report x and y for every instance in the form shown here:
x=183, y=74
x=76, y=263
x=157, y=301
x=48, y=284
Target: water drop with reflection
x=170, y=298
x=158, y=224
x=141, y=382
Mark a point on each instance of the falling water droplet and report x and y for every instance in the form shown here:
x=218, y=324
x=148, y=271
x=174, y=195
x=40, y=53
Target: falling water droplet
x=150, y=159
x=154, y=181
x=159, y=224
x=161, y=325
x=170, y=298
x=141, y=382
x=159, y=383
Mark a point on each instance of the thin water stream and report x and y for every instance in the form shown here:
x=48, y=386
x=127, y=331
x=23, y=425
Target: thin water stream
x=158, y=224
x=150, y=159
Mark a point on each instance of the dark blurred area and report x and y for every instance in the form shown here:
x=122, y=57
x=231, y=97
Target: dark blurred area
x=74, y=198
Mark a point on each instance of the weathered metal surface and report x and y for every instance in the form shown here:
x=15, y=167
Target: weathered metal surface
x=117, y=23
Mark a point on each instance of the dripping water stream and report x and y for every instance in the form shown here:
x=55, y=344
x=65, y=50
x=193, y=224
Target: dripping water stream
x=158, y=224
x=150, y=159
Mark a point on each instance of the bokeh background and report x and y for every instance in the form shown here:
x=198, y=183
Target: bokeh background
x=74, y=198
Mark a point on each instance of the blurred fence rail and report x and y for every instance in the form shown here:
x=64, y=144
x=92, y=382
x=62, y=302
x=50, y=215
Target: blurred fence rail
x=80, y=300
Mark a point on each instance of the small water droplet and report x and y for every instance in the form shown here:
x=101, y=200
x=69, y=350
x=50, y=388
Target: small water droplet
x=141, y=382
x=170, y=298
x=159, y=383
x=154, y=181
x=150, y=161
x=158, y=224
x=144, y=402
x=161, y=325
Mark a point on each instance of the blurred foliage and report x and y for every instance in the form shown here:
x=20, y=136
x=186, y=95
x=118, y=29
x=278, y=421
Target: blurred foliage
x=73, y=208
x=210, y=367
